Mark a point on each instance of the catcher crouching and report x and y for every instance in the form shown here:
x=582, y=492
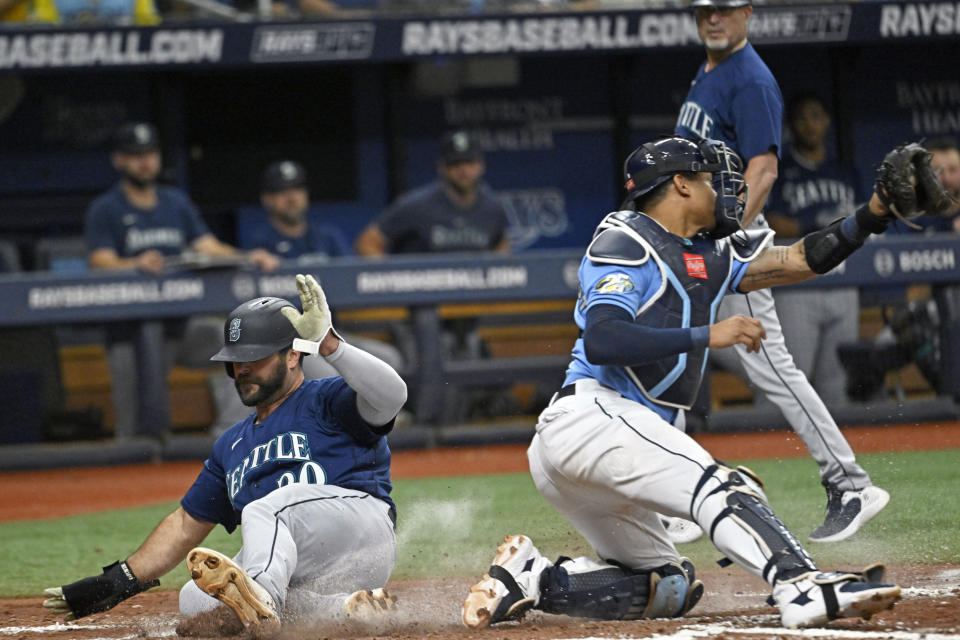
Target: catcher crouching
x=607, y=453
x=306, y=477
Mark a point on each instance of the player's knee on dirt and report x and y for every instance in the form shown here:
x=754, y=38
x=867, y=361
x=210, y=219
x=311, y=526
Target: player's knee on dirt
x=588, y=589
x=724, y=494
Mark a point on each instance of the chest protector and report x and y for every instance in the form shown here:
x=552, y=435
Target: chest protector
x=693, y=277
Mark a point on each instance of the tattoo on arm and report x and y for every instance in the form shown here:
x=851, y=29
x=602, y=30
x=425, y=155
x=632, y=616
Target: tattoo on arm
x=765, y=278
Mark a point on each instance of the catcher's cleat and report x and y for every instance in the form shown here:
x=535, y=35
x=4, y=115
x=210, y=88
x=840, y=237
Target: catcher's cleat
x=510, y=587
x=369, y=604
x=847, y=511
x=220, y=577
x=816, y=598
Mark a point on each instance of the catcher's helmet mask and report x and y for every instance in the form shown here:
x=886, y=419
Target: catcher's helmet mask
x=653, y=163
x=255, y=330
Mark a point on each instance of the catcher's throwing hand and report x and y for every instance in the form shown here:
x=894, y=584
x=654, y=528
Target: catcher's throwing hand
x=737, y=329
x=315, y=322
x=908, y=186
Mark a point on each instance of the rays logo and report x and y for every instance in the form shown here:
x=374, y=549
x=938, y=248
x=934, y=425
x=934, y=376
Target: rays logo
x=615, y=283
x=234, y=330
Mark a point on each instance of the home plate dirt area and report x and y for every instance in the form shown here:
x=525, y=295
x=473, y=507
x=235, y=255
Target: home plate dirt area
x=733, y=609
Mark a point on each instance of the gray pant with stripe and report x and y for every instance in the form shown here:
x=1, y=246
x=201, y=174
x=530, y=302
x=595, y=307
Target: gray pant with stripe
x=774, y=372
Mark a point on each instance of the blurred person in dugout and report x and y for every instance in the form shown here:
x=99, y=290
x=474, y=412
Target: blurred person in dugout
x=813, y=190
x=456, y=213
x=141, y=225
x=138, y=12
x=285, y=224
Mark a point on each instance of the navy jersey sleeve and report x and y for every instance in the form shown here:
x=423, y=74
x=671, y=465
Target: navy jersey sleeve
x=207, y=498
x=396, y=220
x=758, y=114
x=329, y=240
x=98, y=227
x=193, y=224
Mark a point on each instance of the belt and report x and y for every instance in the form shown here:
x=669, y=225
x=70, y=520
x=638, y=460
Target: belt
x=568, y=390
x=571, y=389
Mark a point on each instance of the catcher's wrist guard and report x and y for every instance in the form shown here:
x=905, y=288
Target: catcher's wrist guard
x=99, y=593
x=828, y=247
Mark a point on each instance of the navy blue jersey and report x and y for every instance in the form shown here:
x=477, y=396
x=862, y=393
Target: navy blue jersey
x=320, y=240
x=426, y=220
x=738, y=102
x=633, y=288
x=170, y=227
x=315, y=436
x=813, y=195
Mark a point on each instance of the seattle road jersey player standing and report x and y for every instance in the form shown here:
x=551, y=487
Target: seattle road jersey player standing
x=606, y=453
x=734, y=98
x=306, y=477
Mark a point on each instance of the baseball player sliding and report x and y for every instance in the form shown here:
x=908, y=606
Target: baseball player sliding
x=606, y=453
x=306, y=477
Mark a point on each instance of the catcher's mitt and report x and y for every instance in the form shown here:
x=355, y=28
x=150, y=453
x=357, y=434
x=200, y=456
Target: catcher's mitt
x=907, y=185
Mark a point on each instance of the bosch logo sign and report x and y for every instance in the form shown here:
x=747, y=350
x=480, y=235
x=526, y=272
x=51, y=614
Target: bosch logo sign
x=927, y=260
x=884, y=263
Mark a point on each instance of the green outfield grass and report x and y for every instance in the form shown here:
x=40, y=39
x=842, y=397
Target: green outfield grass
x=450, y=527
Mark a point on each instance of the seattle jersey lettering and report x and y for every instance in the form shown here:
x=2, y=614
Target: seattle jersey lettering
x=694, y=118
x=810, y=193
x=286, y=446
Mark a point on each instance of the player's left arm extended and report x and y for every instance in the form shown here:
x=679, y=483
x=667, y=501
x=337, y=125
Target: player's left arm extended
x=163, y=549
x=760, y=174
x=817, y=252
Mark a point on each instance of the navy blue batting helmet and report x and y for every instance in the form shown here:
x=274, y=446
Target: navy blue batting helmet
x=653, y=163
x=255, y=330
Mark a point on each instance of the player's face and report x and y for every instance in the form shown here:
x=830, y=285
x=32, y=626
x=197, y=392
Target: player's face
x=948, y=165
x=289, y=205
x=722, y=28
x=705, y=197
x=810, y=125
x=258, y=382
x=463, y=177
x=140, y=169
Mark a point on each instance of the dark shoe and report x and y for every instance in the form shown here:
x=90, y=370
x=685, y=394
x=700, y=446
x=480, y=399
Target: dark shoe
x=847, y=511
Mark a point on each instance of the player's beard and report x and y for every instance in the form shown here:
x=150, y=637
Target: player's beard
x=139, y=182
x=718, y=44
x=265, y=388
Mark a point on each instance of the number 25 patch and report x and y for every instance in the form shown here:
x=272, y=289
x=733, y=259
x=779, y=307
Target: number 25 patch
x=615, y=283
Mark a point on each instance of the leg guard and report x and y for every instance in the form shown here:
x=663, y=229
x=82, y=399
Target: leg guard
x=770, y=549
x=589, y=589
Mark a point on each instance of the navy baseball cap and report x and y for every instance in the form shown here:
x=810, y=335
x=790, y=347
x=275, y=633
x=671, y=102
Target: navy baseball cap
x=460, y=147
x=136, y=137
x=286, y=174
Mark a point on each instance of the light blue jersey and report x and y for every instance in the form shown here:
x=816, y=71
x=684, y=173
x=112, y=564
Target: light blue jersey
x=632, y=288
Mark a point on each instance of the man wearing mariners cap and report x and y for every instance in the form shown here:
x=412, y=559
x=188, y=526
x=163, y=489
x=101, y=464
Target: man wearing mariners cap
x=735, y=98
x=286, y=223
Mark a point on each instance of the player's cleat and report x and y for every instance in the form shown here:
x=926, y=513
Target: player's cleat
x=816, y=598
x=369, y=604
x=220, y=577
x=847, y=511
x=511, y=586
x=681, y=530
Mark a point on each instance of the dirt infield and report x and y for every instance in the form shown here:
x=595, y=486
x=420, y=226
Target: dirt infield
x=733, y=607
